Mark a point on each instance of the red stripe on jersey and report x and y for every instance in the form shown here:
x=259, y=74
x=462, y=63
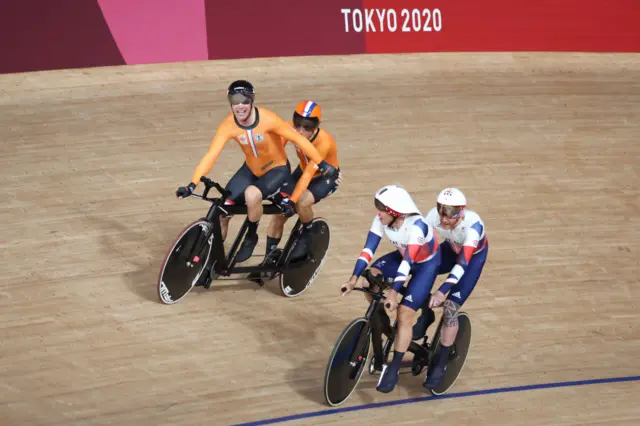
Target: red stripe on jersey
x=420, y=252
x=366, y=256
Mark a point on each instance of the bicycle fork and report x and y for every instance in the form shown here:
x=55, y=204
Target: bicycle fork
x=381, y=324
x=198, y=245
x=371, y=328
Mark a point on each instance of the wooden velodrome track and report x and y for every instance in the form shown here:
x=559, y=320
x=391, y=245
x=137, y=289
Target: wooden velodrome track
x=545, y=146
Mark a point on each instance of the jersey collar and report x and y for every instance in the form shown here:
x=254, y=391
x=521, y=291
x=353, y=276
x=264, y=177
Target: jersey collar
x=251, y=127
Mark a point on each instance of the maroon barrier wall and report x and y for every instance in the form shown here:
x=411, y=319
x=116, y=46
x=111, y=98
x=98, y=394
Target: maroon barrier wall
x=293, y=28
x=41, y=35
x=49, y=34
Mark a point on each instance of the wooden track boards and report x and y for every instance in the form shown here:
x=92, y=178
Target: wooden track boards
x=545, y=147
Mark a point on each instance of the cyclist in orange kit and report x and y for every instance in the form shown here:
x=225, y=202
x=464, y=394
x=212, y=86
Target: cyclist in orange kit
x=259, y=133
x=307, y=186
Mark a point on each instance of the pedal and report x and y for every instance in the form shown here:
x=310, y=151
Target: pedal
x=258, y=281
x=255, y=277
x=207, y=283
x=417, y=366
x=202, y=280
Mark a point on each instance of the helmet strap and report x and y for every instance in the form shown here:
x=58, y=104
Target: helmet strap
x=393, y=221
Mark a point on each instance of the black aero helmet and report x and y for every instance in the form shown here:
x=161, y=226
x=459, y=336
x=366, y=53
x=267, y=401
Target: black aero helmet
x=241, y=90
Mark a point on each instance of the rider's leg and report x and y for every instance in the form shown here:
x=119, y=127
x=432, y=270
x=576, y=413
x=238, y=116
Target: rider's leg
x=423, y=276
x=236, y=186
x=402, y=340
x=253, y=199
x=276, y=224
x=274, y=232
x=458, y=295
x=319, y=188
x=448, y=260
x=262, y=188
x=304, y=208
x=224, y=226
x=424, y=321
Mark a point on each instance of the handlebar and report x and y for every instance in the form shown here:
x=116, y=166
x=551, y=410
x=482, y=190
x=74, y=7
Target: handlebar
x=208, y=184
x=373, y=281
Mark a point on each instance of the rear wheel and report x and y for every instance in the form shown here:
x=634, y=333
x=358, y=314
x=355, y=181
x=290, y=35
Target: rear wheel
x=185, y=261
x=457, y=356
x=298, y=275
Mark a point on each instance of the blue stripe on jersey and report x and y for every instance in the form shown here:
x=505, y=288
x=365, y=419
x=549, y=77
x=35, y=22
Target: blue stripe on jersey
x=372, y=241
x=425, y=231
x=359, y=268
x=372, y=244
x=478, y=228
x=423, y=226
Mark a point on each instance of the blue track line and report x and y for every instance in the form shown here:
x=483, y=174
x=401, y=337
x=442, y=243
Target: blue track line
x=446, y=396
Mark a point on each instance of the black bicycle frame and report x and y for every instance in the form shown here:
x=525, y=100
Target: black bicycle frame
x=376, y=326
x=224, y=264
x=369, y=315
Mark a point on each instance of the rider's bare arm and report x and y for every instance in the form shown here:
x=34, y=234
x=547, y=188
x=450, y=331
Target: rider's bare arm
x=287, y=132
x=309, y=171
x=219, y=140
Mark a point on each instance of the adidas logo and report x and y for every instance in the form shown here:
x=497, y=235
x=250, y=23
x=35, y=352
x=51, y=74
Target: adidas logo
x=456, y=294
x=409, y=298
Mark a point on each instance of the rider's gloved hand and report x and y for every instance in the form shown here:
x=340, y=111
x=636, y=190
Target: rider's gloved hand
x=347, y=287
x=185, y=191
x=288, y=207
x=328, y=170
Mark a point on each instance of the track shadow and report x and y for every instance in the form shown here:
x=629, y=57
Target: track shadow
x=312, y=332
x=141, y=248
x=308, y=381
x=145, y=249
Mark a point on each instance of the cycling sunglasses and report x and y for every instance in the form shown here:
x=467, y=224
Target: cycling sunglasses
x=239, y=98
x=451, y=212
x=305, y=123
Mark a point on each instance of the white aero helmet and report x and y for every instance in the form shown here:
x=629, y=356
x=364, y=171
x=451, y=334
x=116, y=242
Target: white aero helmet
x=395, y=200
x=451, y=202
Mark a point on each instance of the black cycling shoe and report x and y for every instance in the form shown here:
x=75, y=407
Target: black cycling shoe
x=247, y=247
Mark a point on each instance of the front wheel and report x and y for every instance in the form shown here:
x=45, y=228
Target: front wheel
x=347, y=362
x=185, y=261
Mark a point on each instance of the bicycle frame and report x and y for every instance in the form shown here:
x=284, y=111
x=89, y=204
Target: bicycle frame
x=224, y=263
x=375, y=327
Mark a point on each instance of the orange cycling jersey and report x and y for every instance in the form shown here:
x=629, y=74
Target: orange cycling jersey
x=326, y=145
x=261, y=143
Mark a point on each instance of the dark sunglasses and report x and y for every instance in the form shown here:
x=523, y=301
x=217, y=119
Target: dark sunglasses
x=239, y=98
x=305, y=123
x=449, y=211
